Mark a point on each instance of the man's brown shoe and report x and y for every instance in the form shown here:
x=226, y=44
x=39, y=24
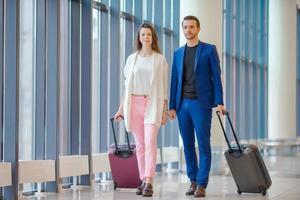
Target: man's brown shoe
x=139, y=190
x=148, y=190
x=192, y=188
x=200, y=192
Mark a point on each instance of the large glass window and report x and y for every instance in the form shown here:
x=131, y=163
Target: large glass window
x=64, y=76
x=245, y=39
x=48, y=37
x=168, y=48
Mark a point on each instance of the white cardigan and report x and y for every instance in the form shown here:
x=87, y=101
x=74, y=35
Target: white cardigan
x=158, y=89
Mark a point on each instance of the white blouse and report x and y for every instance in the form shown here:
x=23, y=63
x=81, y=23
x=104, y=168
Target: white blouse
x=142, y=75
x=158, y=89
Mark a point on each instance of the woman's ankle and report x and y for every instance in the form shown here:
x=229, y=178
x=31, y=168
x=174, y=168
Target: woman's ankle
x=149, y=180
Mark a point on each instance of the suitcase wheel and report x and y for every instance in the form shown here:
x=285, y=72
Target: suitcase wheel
x=264, y=192
x=115, y=185
x=239, y=191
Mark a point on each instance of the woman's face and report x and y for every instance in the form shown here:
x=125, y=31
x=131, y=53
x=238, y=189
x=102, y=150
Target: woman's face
x=146, y=36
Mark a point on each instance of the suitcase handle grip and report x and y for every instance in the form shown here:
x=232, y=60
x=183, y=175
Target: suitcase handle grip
x=232, y=129
x=115, y=138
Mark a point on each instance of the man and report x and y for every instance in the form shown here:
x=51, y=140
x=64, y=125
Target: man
x=195, y=89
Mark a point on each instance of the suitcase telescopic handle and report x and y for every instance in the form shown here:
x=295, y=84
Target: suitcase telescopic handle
x=115, y=137
x=232, y=129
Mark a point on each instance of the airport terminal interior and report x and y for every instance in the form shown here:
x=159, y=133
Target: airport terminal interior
x=62, y=80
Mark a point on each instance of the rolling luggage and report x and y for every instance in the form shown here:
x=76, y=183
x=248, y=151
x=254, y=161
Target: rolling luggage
x=123, y=163
x=246, y=165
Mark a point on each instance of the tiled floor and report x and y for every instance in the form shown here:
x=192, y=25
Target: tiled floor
x=284, y=171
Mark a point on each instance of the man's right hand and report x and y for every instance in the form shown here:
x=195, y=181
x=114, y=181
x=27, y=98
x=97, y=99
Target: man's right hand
x=172, y=114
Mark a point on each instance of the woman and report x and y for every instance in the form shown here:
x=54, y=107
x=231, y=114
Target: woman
x=144, y=104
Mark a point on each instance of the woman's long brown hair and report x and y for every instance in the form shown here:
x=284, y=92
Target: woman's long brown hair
x=154, y=44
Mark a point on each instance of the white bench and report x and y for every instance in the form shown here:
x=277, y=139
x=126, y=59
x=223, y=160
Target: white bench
x=75, y=165
x=5, y=174
x=36, y=171
x=100, y=163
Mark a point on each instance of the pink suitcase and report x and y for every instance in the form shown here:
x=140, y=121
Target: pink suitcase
x=123, y=163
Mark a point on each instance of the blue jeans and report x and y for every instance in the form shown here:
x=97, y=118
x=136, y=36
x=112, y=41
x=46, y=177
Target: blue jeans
x=192, y=117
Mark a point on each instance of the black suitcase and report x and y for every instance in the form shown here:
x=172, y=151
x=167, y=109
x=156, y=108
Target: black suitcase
x=246, y=165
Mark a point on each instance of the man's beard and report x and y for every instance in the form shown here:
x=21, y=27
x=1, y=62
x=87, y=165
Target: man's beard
x=190, y=36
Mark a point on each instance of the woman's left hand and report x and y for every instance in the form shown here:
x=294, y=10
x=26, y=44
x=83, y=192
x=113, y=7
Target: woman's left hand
x=164, y=118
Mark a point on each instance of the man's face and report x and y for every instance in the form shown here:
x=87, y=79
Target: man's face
x=190, y=29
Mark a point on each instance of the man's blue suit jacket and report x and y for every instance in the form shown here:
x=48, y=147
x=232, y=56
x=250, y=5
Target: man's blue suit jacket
x=207, y=77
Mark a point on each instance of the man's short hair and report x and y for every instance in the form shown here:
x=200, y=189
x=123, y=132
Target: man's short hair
x=191, y=17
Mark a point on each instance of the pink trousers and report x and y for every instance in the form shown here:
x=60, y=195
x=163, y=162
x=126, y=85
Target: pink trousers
x=145, y=136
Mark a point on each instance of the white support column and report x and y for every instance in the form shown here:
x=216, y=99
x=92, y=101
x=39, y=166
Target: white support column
x=282, y=69
x=210, y=14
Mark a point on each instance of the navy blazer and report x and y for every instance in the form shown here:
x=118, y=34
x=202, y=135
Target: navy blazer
x=207, y=77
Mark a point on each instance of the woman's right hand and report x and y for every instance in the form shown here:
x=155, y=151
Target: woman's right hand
x=119, y=116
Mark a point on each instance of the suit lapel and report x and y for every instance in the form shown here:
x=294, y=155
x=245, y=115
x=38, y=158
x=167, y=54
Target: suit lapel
x=198, y=54
x=181, y=59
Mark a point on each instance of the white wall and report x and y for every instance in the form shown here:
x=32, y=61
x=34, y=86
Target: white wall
x=282, y=69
